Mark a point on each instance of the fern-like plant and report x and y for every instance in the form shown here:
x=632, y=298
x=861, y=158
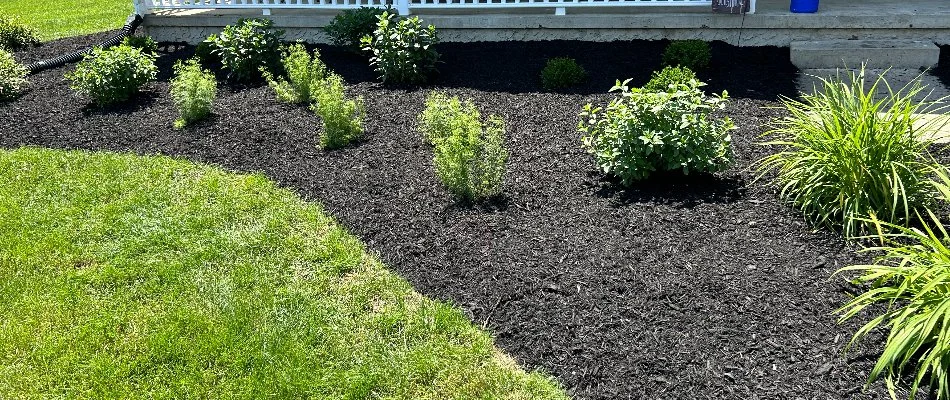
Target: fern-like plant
x=304, y=75
x=342, y=118
x=193, y=89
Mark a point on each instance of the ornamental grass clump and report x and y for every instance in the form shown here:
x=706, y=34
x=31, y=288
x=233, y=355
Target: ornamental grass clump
x=562, y=72
x=305, y=72
x=849, y=154
x=193, y=89
x=909, y=286
x=12, y=76
x=403, y=51
x=247, y=48
x=113, y=75
x=342, y=119
x=469, y=156
x=641, y=132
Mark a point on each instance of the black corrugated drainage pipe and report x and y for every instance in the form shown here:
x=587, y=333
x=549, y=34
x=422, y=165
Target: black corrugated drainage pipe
x=131, y=24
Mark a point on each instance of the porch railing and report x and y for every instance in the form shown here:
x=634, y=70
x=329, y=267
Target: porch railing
x=405, y=7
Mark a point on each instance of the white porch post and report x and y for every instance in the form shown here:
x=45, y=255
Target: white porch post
x=751, y=6
x=139, y=7
x=402, y=6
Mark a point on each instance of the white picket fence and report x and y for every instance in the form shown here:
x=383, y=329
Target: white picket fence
x=405, y=7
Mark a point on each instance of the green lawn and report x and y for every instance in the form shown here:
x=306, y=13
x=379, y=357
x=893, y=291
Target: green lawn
x=147, y=277
x=64, y=18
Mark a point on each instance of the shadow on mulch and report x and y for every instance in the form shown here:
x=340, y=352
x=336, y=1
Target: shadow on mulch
x=686, y=191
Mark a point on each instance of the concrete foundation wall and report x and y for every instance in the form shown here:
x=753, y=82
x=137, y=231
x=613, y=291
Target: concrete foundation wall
x=927, y=20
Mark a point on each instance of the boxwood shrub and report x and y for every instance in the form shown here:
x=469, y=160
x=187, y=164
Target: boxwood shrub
x=693, y=54
x=348, y=27
x=562, y=72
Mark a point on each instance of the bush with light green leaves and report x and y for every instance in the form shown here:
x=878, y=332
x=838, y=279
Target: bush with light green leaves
x=342, y=118
x=469, y=156
x=12, y=76
x=640, y=132
x=193, y=89
x=304, y=71
x=113, y=75
x=403, y=51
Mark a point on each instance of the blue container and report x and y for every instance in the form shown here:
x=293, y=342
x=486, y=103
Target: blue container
x=804, y=6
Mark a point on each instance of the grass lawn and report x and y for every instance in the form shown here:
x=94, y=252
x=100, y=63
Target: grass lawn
x=147, y=277
x=64, y=18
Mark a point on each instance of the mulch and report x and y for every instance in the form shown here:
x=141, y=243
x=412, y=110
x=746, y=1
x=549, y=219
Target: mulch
x=678, y=287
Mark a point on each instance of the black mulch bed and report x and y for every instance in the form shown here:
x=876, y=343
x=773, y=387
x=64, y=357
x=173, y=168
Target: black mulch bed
x=703, y=287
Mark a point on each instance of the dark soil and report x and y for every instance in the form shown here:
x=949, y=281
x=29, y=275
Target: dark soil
x=699, y=287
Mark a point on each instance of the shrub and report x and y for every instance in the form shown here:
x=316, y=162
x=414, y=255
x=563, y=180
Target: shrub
x=444, y=114
x=909, y=284
x=12, y=76
x=14, y=35
x=403, y=51
x=640, y=132
x=248, y=47
x=144, y=43
x=193, y=90
x=304, y=75
x=469, y=157
x=348, y=27
x=669, y=78
x=342, y=119
x=849, y=156
x=692, y=54
x=205, y=54
x=562, y=72
x=112, y=75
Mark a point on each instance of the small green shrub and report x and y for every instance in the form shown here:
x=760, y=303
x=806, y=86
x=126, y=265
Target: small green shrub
x=205, y=54
x=304, y=75
x=244, y=49
x=909, y=285
x=112, y=75
x=348, y=27
x=193, y=90
x=12, y=76
x=640, y=132
x=15, y=35
x=144, y=43
x=562, y=72
x=693, y=54
x=402, y=50
x=342, y=119
x=669, y=78
x=848, y=155
x=444, y=114
x=469, y=157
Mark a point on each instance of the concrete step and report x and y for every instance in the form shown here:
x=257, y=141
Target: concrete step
x=876, y=53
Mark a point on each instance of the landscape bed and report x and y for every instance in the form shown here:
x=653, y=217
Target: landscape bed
x=699, y=287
